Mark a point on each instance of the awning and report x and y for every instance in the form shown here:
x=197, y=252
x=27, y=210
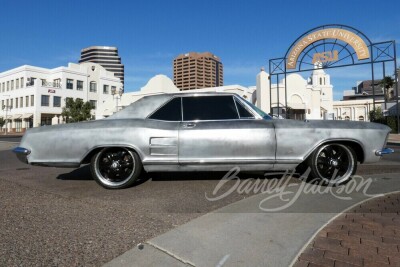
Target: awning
x=27, y=115
x=16, y=116
x=9, y=117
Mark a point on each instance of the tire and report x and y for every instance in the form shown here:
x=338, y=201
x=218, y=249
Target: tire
x=116, y=167
x=333, y=164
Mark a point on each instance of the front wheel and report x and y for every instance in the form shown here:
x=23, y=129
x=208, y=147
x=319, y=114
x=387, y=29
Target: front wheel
x=116, y=167
x=334, y=164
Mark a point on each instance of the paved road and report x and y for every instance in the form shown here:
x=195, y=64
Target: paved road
x=62, y=217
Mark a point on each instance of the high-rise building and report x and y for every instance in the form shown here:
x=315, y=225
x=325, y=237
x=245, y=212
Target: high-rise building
x=106, y=56
x=198, y=70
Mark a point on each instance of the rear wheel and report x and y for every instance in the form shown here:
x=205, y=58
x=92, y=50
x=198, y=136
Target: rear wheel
x=334, y=164
x=116, y=167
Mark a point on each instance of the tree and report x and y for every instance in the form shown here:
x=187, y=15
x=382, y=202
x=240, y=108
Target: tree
x=76, y=110
x=387, y=82
x=376, y=115
x=2, y=122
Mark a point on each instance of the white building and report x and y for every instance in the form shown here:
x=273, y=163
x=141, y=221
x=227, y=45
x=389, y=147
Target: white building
x=32, y=96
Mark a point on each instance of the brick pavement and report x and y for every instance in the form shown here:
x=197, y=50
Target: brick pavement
x=367, y=235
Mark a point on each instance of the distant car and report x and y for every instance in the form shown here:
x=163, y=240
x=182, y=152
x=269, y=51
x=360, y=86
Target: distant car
x=202, y=132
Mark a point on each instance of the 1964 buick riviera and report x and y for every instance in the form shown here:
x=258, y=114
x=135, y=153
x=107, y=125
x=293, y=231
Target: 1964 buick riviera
x=203, y=132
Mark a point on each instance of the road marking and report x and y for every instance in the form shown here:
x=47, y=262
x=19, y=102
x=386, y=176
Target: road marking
x=223, y=260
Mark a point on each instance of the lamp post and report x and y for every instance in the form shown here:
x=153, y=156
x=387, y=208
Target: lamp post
x=117, y=96
x=6, y=108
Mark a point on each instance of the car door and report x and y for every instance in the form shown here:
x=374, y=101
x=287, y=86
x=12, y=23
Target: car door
x=213, y=133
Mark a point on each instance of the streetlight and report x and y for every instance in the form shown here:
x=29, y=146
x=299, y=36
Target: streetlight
x=6, y=108
x=114, y=94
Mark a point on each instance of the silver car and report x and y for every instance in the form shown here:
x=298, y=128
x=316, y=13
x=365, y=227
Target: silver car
x=203, y=132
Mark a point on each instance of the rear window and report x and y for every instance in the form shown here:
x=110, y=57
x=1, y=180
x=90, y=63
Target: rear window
x=171, y=111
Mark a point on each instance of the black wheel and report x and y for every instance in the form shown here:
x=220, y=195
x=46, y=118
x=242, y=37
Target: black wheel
x=334, y=164
x=116, y=167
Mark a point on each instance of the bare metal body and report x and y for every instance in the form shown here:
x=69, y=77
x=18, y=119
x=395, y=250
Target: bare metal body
x=252, y=144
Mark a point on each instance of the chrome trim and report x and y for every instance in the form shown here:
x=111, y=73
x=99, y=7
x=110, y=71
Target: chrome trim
x=21, y=150
x=384, y=151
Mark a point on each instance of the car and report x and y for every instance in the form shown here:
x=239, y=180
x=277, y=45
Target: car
x=203, y=132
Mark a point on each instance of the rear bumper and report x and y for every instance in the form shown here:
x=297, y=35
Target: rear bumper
x=384, y=151
x=22, y=154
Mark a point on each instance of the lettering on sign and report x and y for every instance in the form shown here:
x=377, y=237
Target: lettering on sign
x=328, y=56
x=355, y=41
x=51, y=91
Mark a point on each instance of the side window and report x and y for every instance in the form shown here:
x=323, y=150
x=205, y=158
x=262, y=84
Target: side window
x=243, y=112
x=209, y=108
x=172, y=111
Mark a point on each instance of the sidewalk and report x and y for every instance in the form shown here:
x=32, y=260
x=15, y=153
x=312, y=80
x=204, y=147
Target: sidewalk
x=367, y=235
x=241, y=234
x=394, y=138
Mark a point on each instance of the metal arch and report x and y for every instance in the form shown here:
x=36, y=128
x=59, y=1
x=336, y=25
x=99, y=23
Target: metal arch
x=342, y=26
x=306, y=53
x=384, y=55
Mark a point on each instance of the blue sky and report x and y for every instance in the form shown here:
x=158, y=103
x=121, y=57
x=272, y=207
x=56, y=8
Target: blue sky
x=149, y=34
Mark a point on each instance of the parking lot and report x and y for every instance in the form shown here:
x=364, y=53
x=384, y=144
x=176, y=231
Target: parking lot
x=56, y=216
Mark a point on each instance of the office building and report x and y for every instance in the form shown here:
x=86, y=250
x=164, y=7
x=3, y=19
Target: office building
x=106, y=56
x=198, y=70
x=33, y=96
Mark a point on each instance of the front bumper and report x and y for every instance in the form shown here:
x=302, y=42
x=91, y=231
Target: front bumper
x=22, y=154
x=384, y=151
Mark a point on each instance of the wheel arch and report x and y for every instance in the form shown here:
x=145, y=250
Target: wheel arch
x=354, y=144
x=94, y=150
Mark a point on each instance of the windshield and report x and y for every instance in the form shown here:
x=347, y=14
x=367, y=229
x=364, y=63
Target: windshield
x=264, y=115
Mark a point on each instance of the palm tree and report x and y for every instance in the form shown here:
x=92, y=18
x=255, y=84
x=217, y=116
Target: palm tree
x=387, y=82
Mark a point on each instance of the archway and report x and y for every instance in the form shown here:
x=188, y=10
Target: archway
x=334, y=46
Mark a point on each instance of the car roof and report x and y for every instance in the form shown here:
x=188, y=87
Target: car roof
x=143, y=107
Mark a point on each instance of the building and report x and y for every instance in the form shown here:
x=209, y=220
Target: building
x=198, y=70
x=33, y=96
x=310, y=98
x=106, y=56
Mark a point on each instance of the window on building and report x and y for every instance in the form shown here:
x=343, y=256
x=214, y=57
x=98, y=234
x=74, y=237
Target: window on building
x=16, y=102
x=17, y=84
x=93, y=87
x=56, y=101
x=93, y=103
x=172, y=111
x=79, y=85
x=8, y=86
x=45, y=100
x=21, y=102
x=32, y=100
x=12, y=84
x=70, y=84
x=44, y=82
x=22, y=82
x=113, y=90
x=209, y=108
x=2, y=104
x=57, y=83
x=106, y=89
x=11, y=103
x=3, y=87
x=27, y=101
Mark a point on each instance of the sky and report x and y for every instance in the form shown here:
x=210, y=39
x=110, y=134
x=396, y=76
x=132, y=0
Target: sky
x=149, y=34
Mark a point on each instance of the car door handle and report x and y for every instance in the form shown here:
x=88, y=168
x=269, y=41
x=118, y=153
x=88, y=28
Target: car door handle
x=189, y=125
